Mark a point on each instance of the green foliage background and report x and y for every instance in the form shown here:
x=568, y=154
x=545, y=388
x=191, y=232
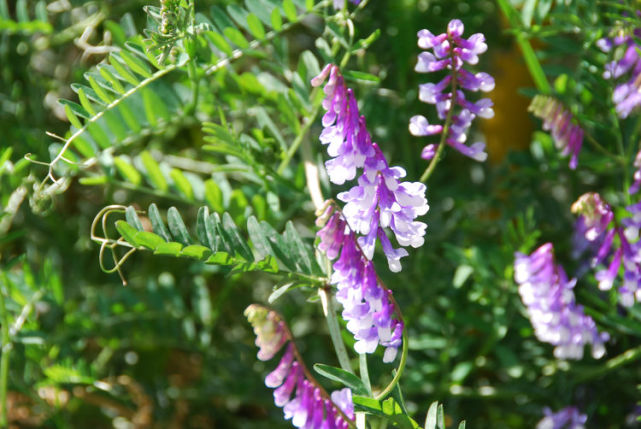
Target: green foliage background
x=172, y=349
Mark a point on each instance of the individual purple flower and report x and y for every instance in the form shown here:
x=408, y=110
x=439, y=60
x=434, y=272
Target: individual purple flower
x=451, y=51
x=295, y=390
x=567, y=135
x=380, y=200
x=567, y=418
x=549, y=298
x=626, y=65
x=367, y=305
x=596, y=214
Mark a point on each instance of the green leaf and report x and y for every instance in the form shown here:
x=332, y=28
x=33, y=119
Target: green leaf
x=214, y=196
x=127, y=171
x=76, y=109
x=388, y=409
x=157, y=223
x=201, y=228
x=219, y=41
x=21, y=11
x=135, y=64
x=211, y=230
x=133, y=219
x=301, y=253
x=155, y=176
x=220, y=18
x=276, y=20
x=117, y=63
x=72, y=116
x=220, y=258
x=182, y=183
x=236, y=37
x=169, y=249
x=106, y=72
x=430, y=420
x=262, y=247
x=127, y=231
x=255, y=27
x=196, y=251
x=98, y=89
x=462, y=425
x=290, y=10
x=177, y=227
x=84, y=101
x=239, y=15
x=440, y=418
x=340, y=375
x=280, y=291
x=260, y=9
x=282, y=251
x=356, y=76
x=148, y=239
x=239, y=244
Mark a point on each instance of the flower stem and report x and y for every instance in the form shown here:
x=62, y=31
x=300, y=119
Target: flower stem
x=334, y=330
x=446, y=130
x=362, y=365
x=4, y=359
x=624, y=358
x=529, y=56
x=399, y=371
x=302, y=134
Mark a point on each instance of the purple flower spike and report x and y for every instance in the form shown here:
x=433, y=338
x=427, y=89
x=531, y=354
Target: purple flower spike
x=567, y=418
x=302, y=399
x=626, y=95
x=367, y=306
x=557, y=319
x=451, y=51
x=567, y=135
x=379, y=200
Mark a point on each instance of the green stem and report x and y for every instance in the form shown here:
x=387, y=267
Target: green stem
x=595, y=144
x=195, y=80
x=362, y=361
x=4, y=359
x=624, y=358
x=531, y=61
x=334, y=329
x=399, y=371
x=446, y=129
x=302, y=134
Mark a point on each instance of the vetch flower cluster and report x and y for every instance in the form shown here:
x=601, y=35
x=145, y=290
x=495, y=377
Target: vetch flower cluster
x=626, y=95
x=302, y=399
x=557, y=318
x=567, y=418
x=567, y=135
x=626, y=255
x=379, y=200
x=367, y=305
x=450, y=51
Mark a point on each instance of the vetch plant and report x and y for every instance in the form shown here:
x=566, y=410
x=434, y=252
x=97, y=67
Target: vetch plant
x=226, y=151
x=450, y=52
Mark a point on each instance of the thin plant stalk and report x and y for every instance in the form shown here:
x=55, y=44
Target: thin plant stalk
x=6, y=354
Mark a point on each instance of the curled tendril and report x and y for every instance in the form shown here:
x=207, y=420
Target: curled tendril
x=108, y=243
